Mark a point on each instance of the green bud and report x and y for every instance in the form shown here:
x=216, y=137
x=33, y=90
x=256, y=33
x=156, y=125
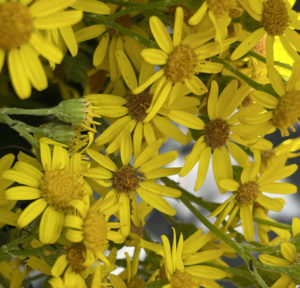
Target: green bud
x=72, y=111
x=60, y=132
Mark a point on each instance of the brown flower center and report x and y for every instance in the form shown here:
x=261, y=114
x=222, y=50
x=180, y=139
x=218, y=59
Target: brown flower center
x=216, y=133
x=182, y=280
x=138, y=104
x=274, y=17
x=221, y=7
x=247, y=193
x=59, y=187
x=95, y=230
x=287, y=112
x=16, y=25
x=76, y=257
x=137, y=282
x=181, y=64
x=126, y=179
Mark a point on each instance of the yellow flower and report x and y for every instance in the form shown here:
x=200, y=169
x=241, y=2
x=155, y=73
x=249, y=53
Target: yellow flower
x=131, y=278
x=249, y=190
x=70, y=280
x=182, y=263
x=180, y=59
x=54, y=186
x=220, y=13
x=277, y=20
x=289, y=257
x=144, y=121
x=92, y=227
x=126, y=181
x=220, y=133
x=21, y=40
x=282, y=112
x=6, y=215
x=110, y=41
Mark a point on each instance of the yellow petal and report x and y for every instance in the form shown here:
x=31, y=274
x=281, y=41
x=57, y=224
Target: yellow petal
x=195, y=85
x=92, y=6
x=154, y=56
x=32, y=211
x=22, y=193
x=103, y=160
x=206, y=272
x=247, y=222
x=264, y=99
x=247, y=44
x=160, y=189
x=51, y=225
x=90, y=32
x=44, y=7
x=178, y=26
x=161, y=34
x=274, y=204
x=288, y=251
x=203, y=164
x=70, y=40
x=126, y=70
x=186, y=119
x=199, y=14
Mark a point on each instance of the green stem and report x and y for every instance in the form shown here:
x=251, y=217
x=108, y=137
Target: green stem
x=258, y=86
x=32, y=112
x=271, y=223
x=120, y=3
x=22, y=129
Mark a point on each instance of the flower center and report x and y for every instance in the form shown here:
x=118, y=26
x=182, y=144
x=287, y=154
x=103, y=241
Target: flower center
x=138, y=104
x=76, y=257
x=287, y=112
x=126, y=179
x=247, y=193
x=95, y=230
x=181, y=64
x=137, y=282
x=274, y=17
x=182, y=280
x=16, y=25
x=221, y=7
x=59, y=187
x=216, y=133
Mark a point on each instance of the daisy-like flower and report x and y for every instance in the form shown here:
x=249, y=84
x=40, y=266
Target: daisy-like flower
x=139, y=178
x=6, y=215
x=180, y=59
x=110, y=41
x=289, y=256
x=143, y=122
x=55, y=186
x=129, y=277
x=282, y=112
x=220, y=133
x=92, y=227
x=277, y=20
x=70, y=280
x=22, y=24
x=182, y=263
x=249, y=190
x=220, y=12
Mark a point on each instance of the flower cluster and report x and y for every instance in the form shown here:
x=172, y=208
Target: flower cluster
x=133, y=76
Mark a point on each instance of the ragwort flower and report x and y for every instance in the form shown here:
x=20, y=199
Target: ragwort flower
x=180, y=59
x=249, y=190
x=55, y=186
x=22, y=24
x=139, y=178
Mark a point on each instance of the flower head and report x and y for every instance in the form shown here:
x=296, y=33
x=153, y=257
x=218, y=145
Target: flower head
x=54, y=186
x=21, y=39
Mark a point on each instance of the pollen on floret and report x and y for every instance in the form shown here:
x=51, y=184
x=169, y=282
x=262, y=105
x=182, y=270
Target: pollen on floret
x=95, y=230
x=60, y=186
x=221, y=7
x=274, y=17
x=247, y=193
x=137, y=282
x=287, y=112
x=182, y=279
x=138, y=104
x=181, y=64
x=216, y=133
x=126, y=179
x=16, y=25
x=76, y=257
